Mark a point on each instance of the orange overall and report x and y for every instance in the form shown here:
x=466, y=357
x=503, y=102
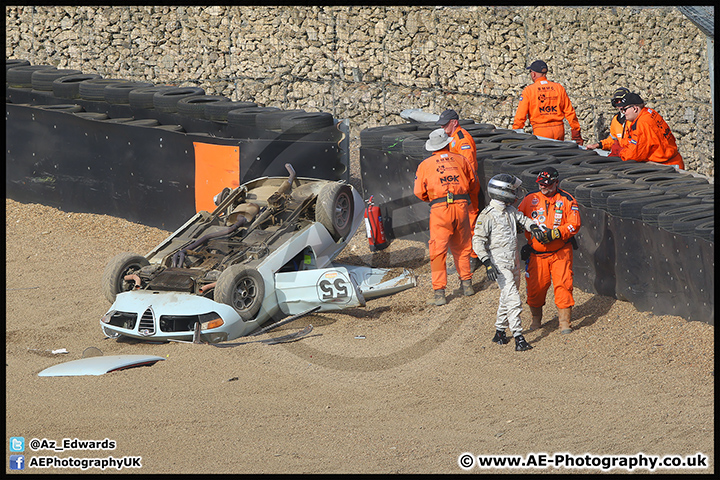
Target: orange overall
x=448, y=183
x=547, y=104
x=553, y=261
x=649, y=139
x=617, y=127
x=463, y=143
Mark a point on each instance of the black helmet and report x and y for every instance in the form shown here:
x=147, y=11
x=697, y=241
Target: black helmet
x=503, y=187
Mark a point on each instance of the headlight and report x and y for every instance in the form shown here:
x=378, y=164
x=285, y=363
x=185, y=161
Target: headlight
x=214, y=323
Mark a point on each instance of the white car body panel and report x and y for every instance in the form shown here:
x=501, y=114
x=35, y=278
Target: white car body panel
x=98, y=365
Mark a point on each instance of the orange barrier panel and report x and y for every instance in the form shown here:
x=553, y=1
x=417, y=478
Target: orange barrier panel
x=216, y=167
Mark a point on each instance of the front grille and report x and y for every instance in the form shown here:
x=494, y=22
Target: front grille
x=147, y=323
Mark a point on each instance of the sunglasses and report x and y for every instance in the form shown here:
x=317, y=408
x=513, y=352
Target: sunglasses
x=623, y=109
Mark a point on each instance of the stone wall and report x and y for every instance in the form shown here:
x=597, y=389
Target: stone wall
x=367, y=64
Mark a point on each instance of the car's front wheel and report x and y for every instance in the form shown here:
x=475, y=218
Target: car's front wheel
x=113, y=277
x=335, y=209
x=242, y=288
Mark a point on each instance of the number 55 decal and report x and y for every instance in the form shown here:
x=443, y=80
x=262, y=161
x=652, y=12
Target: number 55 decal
x=333, y=287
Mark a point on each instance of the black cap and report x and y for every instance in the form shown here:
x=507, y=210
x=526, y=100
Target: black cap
x=538, y=66
x=446, y=116
x=618, y=95
x=547, y=176
x=631, y=99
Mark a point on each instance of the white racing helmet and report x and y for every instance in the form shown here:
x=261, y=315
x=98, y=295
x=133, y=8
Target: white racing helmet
x=504, y=187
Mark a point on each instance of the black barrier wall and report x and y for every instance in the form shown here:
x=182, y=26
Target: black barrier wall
x=144, y=173
x=655, y=269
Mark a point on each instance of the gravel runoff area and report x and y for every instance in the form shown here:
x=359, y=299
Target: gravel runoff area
x=397, y=386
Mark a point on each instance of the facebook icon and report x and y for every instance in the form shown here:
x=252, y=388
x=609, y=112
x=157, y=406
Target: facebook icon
x=17, y=462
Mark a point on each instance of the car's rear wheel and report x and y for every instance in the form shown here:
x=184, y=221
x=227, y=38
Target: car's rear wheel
x=335, y=209
x=113, y=277
x=242, y=288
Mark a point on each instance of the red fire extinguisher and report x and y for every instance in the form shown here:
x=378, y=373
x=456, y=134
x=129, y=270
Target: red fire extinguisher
x=374, y=227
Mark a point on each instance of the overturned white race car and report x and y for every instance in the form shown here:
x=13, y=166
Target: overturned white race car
x=265, y=252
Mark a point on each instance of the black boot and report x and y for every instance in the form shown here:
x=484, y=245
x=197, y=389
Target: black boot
x=500, y=337
x=521, y=345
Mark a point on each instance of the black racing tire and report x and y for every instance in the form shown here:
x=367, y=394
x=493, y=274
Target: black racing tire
x=415, y=147
x=112, y=281
x=372, y=137
x=142, y=97
x=569, y=154
x=484, y=150
x=632, y=207
x=690, y=190
x=335, y=209
x=246, y=117
x=666, y=218
x=600, y=162
x=69, y=85
x=119, y=93
x=241, y=287
x=218, y=111
x=67, y=108
x=21, y=77
x=703, y=192
x=486, y=135
x=143, y=122
x=478, y=127
x=171, y=128
x=271, y=120
x=508, y=137
x=548, y=147
x=578, y=158
x=95, y=89
x=569, y=184
x=686, y=225
x=15, y=62
x=653, y=178
x=515, y=147
x=705, y=229
x=681, y=181
x=515, y=166
x=599, y=195
x=634, y=170
x=166, y=100
x=307, y=122
x=651, y=211
x=614, y=201
x=584, y=191
x=43, y=79
x=194, y=106
x=120, y=120
x=92, y=115
x=493, y=162
x=394, y=142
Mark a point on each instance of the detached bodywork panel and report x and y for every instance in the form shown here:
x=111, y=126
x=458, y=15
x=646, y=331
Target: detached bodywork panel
x=266, y=251
x=98, y=365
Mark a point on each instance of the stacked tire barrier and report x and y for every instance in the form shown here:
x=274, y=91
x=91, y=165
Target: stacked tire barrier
x=647, y=233
x=368, y=63
x=150, y=153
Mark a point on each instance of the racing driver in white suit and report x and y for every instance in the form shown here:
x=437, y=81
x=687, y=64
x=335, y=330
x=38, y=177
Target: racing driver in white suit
x=495, y=242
